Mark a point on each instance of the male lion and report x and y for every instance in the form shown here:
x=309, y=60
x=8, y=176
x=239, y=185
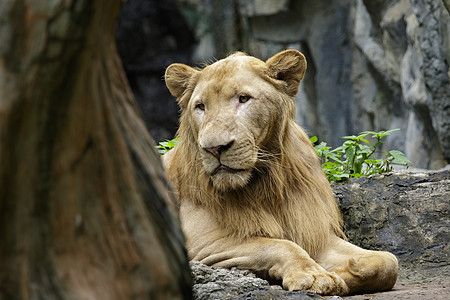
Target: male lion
x=251, y=189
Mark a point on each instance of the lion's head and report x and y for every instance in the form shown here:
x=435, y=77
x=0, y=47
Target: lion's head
x=235, y=110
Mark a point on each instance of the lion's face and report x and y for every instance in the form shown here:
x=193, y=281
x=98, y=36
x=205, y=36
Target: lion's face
x=231, y=117
x=232, y=108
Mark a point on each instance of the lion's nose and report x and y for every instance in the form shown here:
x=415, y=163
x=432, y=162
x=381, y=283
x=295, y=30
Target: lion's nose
x=216, y=151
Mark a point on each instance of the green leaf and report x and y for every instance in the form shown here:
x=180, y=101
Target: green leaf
x=357, y=167
x=350, y=153
x=321, y=146
x=340, y=149
x=313, y=139
x=359, y=137
x=172, y=143
x=347, y=144
x=364, y=149
x=373, y=133
x=365, y=141
x=165, y=146
x=350, y=137
x=399, y=158
x=372, y=161
x=383, y=134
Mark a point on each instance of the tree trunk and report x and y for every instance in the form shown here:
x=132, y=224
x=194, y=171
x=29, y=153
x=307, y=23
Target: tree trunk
x=85, y=208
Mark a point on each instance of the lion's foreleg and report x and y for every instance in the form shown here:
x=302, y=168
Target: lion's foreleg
x=363, y=271
x=280, y=259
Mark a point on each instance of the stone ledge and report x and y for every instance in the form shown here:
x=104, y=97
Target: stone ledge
x=219, y=283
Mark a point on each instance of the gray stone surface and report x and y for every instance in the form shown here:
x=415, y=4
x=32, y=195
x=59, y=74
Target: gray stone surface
x=408, y=214
x=405, y=213
x=372, y=64
x=402, y=212
x=218, y=283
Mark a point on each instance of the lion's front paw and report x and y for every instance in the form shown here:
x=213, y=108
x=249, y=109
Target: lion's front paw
x=317, y=281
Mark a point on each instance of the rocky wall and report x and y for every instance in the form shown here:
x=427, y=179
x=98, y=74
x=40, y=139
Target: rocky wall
x=372, y=64
x=152, y=34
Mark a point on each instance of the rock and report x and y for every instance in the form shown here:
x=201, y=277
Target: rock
x=147, y=43
x=433, y=43
x=254, y=8
x=219, y=283
x=406, y=213
x=372, y=64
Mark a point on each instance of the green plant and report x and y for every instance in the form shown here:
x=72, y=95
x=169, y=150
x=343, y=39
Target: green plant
x=356, y=156
x=165, y=146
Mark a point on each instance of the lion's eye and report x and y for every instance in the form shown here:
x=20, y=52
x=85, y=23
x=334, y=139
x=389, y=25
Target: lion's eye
x=244, y=98
x=200, y=106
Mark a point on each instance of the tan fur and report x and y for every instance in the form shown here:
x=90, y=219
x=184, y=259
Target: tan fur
x=271, y=209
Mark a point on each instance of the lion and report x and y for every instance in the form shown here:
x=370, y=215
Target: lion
x=251, y=189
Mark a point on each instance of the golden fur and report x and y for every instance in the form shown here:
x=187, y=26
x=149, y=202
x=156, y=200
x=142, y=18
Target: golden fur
x=249, y=180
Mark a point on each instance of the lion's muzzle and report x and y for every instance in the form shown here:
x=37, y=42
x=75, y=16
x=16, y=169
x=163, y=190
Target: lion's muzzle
x=230, y=163
x=217, y=150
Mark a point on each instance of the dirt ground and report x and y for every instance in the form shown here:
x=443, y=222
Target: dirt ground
x=411, y=291
x=433, y=283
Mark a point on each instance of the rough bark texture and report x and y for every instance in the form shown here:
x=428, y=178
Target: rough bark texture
x=372, y=65
x=85, y=209
x=405, y=213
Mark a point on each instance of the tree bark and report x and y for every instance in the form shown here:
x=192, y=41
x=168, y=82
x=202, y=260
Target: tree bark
x=85, y=209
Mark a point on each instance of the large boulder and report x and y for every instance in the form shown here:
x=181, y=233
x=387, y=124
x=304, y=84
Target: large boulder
x=406, y=213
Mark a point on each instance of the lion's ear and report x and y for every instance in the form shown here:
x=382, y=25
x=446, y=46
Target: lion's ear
x=178, y=77
x=289, y=66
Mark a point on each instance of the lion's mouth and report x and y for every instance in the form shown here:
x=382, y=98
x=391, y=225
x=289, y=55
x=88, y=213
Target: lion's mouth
x=226, y=168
